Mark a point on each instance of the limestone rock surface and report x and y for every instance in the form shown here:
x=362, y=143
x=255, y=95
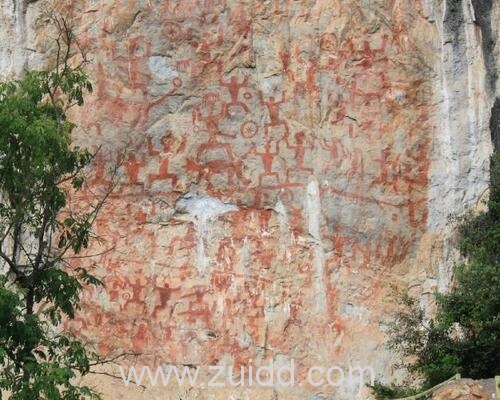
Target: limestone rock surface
x=281, y=163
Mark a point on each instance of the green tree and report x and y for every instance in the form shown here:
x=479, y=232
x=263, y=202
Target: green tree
x=464, y=335
x=39, y=170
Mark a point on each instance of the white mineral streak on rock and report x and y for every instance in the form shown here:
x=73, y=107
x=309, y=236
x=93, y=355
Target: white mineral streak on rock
x=241, y=268
x=8, y=18
x=444, y=175
x=477, y=111
x=204, y=210
x=245, y=254
x=446, y=268
x=461, y=145
x=280, y=209
x=313, y=212
x=18, y=58
x=276, y=312
x=13, y=57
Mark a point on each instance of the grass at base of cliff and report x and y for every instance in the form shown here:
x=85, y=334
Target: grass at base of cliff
x=394, y=391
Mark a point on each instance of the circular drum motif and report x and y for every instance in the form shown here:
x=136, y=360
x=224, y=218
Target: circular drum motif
x=248, y=129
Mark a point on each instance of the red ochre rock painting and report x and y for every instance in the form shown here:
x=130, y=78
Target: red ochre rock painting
x=306, y=128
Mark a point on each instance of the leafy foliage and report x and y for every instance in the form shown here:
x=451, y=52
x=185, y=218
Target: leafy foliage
x=464, y=335
x=39, y=169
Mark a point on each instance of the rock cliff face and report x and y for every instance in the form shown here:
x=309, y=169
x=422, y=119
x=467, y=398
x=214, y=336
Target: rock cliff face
x=285, y=163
